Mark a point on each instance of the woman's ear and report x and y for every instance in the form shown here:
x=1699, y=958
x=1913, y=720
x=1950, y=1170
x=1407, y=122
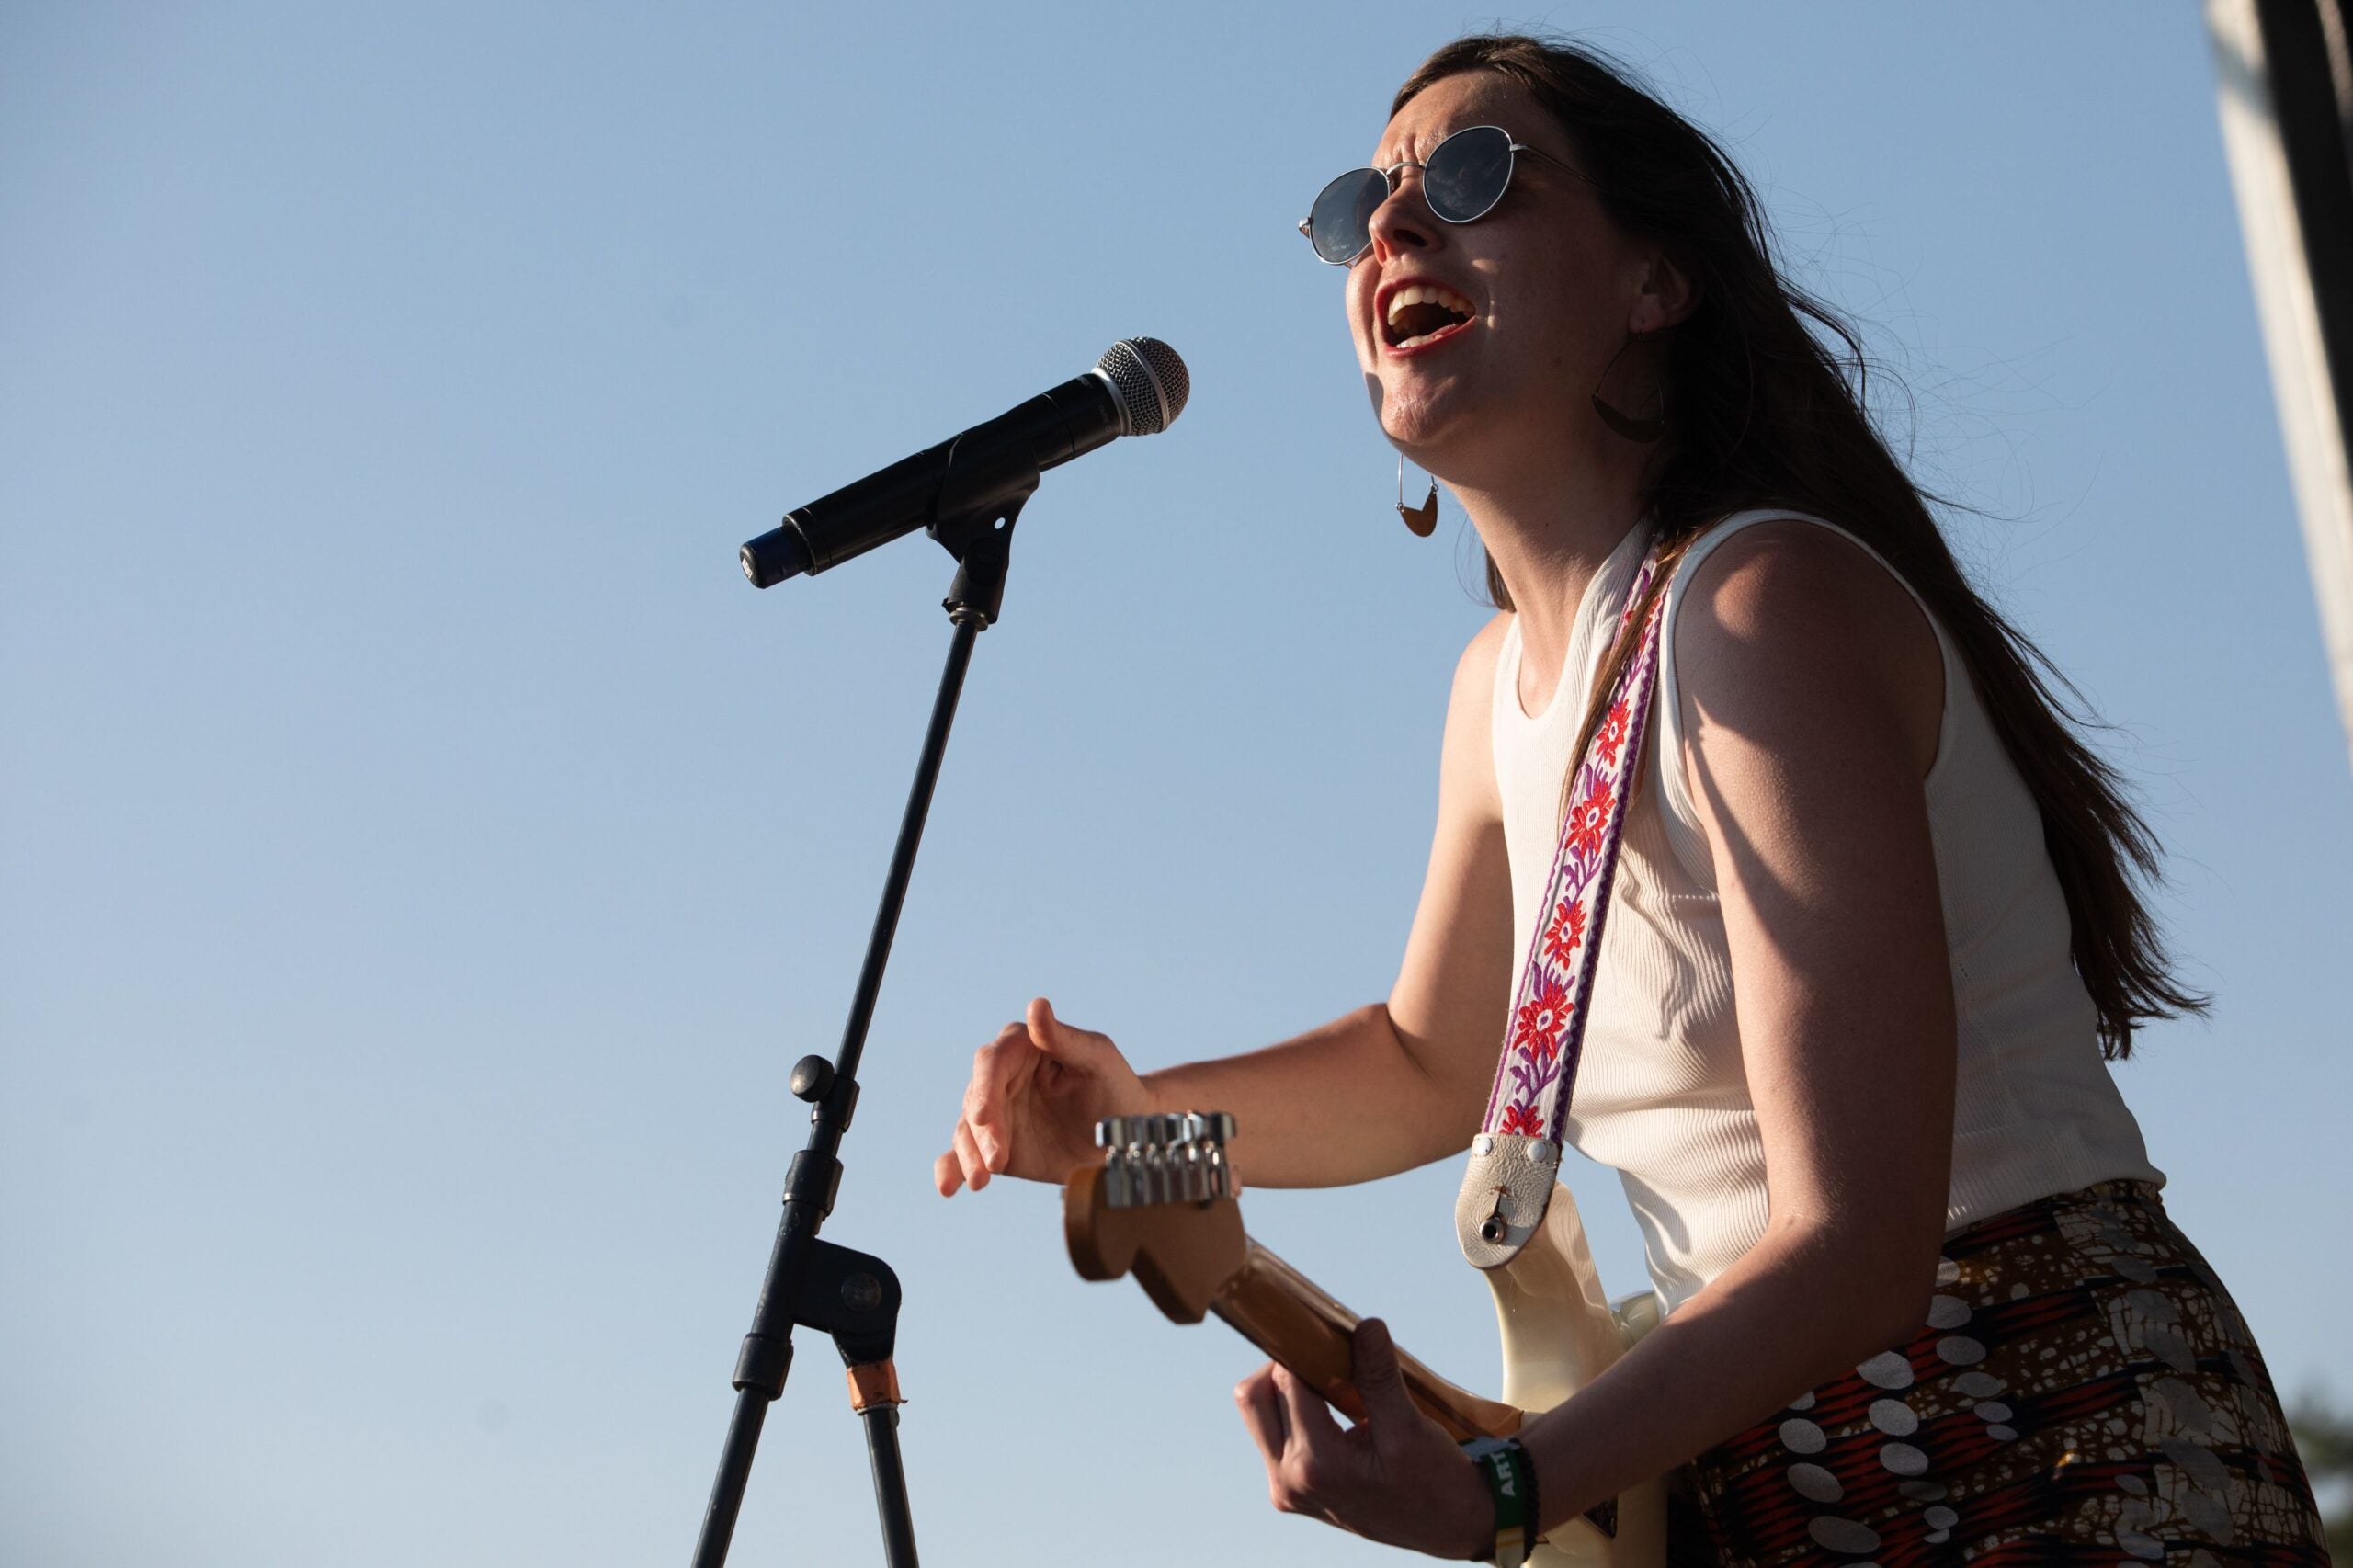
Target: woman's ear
x=1666, y=295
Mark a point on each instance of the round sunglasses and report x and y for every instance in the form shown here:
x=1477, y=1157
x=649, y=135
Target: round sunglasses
x=1462, y=180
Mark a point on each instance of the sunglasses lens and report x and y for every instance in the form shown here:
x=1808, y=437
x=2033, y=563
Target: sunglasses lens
x=1467, y=173
x=1340, y=223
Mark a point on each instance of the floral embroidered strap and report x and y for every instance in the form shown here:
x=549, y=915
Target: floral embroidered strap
x=1546, y=1031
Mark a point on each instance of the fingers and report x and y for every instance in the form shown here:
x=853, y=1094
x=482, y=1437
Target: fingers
x=1262, y=1414
x=968, y=1157
x=1302, y=1446
x=996, y=1065
x=1376, y=1374
x=998, y=1070
x=1070, y=1047
x=1404, y=1484
x=1313, y=1426
x=1001, y=1097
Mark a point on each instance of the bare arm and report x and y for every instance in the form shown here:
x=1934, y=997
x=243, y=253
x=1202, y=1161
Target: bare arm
x=1812, y=695
x=1376, y=1091
x=1393, y=1086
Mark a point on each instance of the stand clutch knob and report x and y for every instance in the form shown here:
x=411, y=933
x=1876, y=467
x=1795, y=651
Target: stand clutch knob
x=811, y=1076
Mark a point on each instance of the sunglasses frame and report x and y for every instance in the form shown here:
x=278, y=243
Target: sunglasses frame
x=1391, y=178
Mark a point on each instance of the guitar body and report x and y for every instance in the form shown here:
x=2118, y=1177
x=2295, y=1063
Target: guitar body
x=1559, y=1334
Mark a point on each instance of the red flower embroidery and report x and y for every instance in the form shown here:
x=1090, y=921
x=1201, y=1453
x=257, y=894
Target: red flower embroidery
x=1566, y=930
x=1611, y=733
x=1588, y=819
x=1521, y=1119
x=1535, y=1069
x=1542, y=1019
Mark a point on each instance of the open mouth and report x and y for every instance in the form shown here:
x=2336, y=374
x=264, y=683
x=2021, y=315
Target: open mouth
x=1421, y=313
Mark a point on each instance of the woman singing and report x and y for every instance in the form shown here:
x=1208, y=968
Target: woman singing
x=1873, y=925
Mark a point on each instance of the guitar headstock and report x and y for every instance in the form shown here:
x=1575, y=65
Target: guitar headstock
x=1161, y=1204
x=1167, y=1157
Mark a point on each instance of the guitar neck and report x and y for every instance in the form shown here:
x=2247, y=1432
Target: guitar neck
x=1286, y=1315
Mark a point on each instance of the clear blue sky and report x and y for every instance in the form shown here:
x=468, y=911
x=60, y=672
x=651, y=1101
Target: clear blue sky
x=421, y=855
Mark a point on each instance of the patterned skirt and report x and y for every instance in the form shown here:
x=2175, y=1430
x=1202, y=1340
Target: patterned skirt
x=2084, y=1391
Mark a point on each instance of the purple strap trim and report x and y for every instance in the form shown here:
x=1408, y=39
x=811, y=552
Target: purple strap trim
x=1545, y=1033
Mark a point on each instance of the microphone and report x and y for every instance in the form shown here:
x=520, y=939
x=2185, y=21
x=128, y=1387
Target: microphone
x=1138, y=388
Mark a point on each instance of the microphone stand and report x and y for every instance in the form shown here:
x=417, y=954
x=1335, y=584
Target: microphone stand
x=810, y=1283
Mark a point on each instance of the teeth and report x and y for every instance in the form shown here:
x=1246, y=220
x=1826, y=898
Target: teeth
x=1427, y=294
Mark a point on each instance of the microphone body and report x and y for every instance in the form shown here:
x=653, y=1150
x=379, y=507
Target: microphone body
x=1137, y=388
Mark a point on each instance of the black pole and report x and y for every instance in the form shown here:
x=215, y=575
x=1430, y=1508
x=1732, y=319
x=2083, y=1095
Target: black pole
x=811, y=1282
x=890, y=1485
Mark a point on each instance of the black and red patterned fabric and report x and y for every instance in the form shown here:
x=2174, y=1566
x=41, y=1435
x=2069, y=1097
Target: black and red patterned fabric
x=2083, y=1391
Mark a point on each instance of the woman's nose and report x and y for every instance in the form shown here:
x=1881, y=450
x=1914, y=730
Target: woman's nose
x=1404, y=220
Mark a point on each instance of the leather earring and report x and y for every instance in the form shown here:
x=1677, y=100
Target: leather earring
x=1421, y=519
x=1625, y=425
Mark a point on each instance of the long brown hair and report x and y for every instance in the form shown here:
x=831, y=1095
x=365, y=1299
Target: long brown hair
x=1763, y=415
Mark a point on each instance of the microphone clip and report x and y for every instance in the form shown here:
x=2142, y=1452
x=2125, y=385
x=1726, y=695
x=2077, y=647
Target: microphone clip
x=974, y=521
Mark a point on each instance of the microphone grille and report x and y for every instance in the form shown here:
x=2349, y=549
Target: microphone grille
x=1150, y=381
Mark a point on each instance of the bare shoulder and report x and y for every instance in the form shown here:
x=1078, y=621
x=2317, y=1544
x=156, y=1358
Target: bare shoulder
x=1469, y=704
x=1467, y=766
x=1475, y=671
x=1787, y=625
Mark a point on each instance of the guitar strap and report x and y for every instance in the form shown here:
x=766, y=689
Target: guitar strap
x=1515, y=1158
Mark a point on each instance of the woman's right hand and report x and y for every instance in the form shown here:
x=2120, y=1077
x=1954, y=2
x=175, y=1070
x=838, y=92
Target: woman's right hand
x=1037, y=1092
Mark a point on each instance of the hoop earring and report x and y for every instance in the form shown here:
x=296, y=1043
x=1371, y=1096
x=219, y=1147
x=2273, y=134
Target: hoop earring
x=1625, y=425
x=1422, y=519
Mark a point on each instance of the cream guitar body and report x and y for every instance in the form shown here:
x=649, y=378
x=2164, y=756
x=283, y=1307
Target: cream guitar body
x=1162, y=1206
x=1559, y=1333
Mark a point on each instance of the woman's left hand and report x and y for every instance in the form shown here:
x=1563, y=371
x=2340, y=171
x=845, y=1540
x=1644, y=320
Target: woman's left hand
x=1395, y=1477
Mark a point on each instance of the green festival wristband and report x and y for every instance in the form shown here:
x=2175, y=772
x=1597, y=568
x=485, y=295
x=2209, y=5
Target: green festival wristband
x=1511, y=1482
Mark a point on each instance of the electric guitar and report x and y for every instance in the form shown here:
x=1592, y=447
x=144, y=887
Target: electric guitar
x=1162, y=1204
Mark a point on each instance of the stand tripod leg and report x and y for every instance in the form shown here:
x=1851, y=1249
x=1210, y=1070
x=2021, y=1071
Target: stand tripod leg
x=874, y=1394
x=734, y=1469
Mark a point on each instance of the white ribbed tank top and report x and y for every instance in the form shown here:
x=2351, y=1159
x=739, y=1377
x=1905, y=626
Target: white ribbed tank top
x=1660, y=1094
